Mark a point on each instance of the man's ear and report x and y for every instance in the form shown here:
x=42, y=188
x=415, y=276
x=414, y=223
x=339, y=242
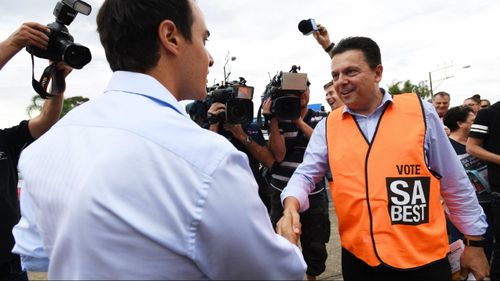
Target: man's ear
x=378, y=73
x=169, y=36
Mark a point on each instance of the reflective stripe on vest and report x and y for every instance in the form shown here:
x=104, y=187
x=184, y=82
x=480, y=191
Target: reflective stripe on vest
x=387, y=201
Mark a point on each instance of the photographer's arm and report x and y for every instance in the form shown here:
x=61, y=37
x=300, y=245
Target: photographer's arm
x=261, y=153
x=51, y=110
x=323, y=39
x=276, y=140
x=30, y=33
x=215, y=109
x=306, y=129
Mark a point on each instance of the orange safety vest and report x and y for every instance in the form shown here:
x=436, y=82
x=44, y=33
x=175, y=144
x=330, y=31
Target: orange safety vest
x=386, y=199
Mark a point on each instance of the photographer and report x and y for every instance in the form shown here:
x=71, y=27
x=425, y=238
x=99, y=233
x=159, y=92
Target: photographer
x=288, y=140
x=247, y=138
x=13, y=140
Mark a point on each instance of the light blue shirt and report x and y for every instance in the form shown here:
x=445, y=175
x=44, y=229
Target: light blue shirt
x=126, y=186
x=456, y=189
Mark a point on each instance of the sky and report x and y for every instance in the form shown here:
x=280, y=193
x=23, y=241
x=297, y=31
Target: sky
x=456, y=41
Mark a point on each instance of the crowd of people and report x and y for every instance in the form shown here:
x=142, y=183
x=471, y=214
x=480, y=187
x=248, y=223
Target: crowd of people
x=127, y=186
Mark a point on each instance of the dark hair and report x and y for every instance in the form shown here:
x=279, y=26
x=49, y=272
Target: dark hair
x=327, y=85
x=476, y=98
x=441, y=94
x=454, y=115
x=128, y=30
x=370, y=49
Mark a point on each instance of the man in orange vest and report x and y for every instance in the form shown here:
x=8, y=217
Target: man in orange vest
x=390, y=161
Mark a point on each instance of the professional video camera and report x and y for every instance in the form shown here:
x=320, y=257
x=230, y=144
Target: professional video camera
x=237, y=97
x=61, y=44
x=285, y=90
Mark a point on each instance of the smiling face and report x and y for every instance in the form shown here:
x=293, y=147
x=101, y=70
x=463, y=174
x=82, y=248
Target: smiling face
x=441, y=104
x=355, y=82
x=332, y=98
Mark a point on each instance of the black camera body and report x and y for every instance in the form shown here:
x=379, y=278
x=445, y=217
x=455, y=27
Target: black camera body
x=284, y=90
x=61, y=44
x=237, y=97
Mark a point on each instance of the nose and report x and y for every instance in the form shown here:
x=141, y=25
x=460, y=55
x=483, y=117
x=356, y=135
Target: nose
x=211, y=59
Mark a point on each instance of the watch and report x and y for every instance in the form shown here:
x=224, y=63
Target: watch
x=474, y=243
x=248, y=140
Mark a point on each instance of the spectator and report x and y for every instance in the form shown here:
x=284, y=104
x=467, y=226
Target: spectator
x=484, y=103
x=386, y=189
x=460, y=119
x=136, y=189
x=288, y=140
x=13, y=140
x=441, y=102
x=484, y=143
x=474, y=103
x=331, y=96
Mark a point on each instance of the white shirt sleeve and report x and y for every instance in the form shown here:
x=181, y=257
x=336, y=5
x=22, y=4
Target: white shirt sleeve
x=246, y=242
x=28, y=241
x=311, y=170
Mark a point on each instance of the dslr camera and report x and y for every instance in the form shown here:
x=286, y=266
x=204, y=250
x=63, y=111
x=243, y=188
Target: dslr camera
x=284, y=90
x=61, y=43
x=237, y=97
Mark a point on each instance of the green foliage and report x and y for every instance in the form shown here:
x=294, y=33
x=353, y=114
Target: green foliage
x=68, y=105
x=407, y=87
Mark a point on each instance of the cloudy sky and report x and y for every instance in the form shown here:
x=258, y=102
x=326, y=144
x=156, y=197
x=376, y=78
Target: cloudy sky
x=415, y=36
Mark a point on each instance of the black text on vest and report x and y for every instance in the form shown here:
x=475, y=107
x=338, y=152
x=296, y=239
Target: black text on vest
x=408, y=200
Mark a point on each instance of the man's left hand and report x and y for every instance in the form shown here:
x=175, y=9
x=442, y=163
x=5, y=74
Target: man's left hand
x=236, y=130
x=474, y=260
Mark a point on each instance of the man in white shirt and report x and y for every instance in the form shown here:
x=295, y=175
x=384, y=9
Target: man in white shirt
x=128, y=187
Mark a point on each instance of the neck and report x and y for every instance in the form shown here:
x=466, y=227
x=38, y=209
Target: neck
x=373, y=104
x=458, y=137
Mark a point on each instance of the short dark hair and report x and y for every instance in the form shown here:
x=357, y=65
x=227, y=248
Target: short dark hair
x=454, y=115
x=441, y=94
x=370, y=49
x=128, y=30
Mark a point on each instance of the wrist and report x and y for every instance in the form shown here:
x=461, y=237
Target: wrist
x=474, y=241
x=329, y=47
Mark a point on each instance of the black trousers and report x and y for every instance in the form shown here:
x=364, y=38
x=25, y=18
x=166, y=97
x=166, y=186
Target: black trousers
x=356, y=269
x=315, y=230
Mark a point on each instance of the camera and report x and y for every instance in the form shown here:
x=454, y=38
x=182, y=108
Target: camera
x=237, y=97
x=284, y=90
x=307, y=27
x=61, y=43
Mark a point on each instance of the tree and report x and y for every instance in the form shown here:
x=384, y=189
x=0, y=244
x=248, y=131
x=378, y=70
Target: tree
x=421, y=88
x=68, y=105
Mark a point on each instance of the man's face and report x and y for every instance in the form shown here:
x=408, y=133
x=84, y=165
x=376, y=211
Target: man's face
x=472, y=104
x=304, y=98
x=332, y=98
x=441, y=104
x=196, y=59
x=355, y=82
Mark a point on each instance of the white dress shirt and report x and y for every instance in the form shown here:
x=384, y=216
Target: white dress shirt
x=126, y=186
x=456, y=189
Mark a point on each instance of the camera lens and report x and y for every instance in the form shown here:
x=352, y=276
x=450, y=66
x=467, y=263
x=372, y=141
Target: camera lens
x=76, y=56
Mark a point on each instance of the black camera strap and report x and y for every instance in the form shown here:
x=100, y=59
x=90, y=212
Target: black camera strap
x=50, y=73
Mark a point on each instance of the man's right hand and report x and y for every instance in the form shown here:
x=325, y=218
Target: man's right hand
x=322, y=36
x=289, y=225
x=30, y=33
x=216, y=108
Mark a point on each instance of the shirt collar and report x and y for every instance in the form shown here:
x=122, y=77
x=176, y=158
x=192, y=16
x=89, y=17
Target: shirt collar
x=144, y=85
x=385, y=99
